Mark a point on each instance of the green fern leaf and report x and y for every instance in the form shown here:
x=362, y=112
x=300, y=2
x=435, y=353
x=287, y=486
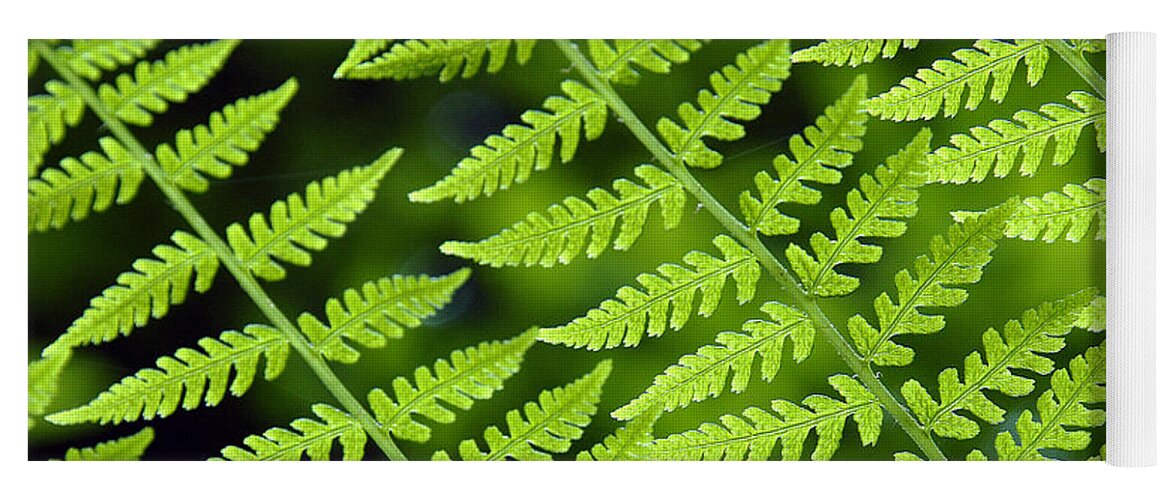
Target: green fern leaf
x=92, y=182
x=1053, y=215
x=147, y=292
x=703, y=375
x=1093, y=317
x=616, y=59
x=1083, y=383
x=189, y=378
x=875, y=210
x=302, y=224
x=520, y=149
x=738, y=92
x=49, y=116
x=628, y=443
x=549, y=425
x=559, y=236
x=362, y=51
x=1020, y=347
x=1089, y=45
x=311, y=437
x=90, y=58
x=624, y=319
x=44, y=379
x=125, y=449
x=826, y=146
x=999, y=146
x=34, y=59
x=942, y=85
x=225, y=141
x=447, y=58
x=133, y=98
x=472, y=374
x=853, y=52
x=957, y=258
x=755, y=435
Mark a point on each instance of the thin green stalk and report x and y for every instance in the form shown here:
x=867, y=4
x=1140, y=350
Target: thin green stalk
x=1080, y=65
x=790, y=289
x=180, y=203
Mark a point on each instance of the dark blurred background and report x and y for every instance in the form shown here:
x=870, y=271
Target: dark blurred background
x=332, y=124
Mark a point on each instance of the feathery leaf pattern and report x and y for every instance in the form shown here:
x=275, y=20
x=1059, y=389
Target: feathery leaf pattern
x=854, y=52
x=308, y=437
x=93, y=182
x=616, y=59
x=134, y=98
x=416, y=58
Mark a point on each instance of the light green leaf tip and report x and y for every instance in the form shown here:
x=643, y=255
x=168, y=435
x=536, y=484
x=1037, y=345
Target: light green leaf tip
x=853, y=52
x=135, y=97
x=125, y=449
x=309, y=437
x=410, y=59
x=616, y=59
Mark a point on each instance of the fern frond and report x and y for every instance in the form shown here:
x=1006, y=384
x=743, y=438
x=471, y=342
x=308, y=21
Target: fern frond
x=1088, y=45
x=738, y=91
x=1093, y=317
x=559, y=235
x=34, y=59
x=755, y=435
x=1060, y=408
x=627, y=443
x=124, y=449
x=1068, y=214
x=447, y=58
x=44, y=379
x=89, y=58
x=472, y=374
x=520, y=149
x=999, y=146
x=633, y=312
x=956, y=258
x=362, y=51
x=134, y=98
x=876, y=208
x=549, y=425
x=380, y=310
x=302, y=224
x=942, y=85
x=1020, y=347
x=190, y=378
x=309, y=437
x=92, y=182
x=703, y=375
x=826, y=146
x=225, y=141
x=616, y=59
x=146, y=292
x=853, y=52
x=49, y=116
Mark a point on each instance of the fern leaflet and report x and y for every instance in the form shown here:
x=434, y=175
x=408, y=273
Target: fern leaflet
x=182, y=71
x=92, y=182
x=362, y=51
x=616, y=59
x=309, y=437
x=1068, y=213
x=853, y=52
x=1093, y=317
x=624, y=319
x=630, y=442
x=89, y=58
x=44, y=379
x=49, y=116
x=416, y=58
x=124, y=449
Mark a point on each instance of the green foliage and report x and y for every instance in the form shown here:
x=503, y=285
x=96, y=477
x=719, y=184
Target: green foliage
x=309, y=437
x=1054, y=215
x=1000, y=145
x=828, y=143
x=92, y=182
x=616, y=59
x=628, y=443
x=558, y=237
x=549, y=425
x=417, y=58
x=874, y=212
x=183, y=71
x=49, y=116
x=854, y=52
x=125, y=449
x=302, y=224
x=90, y=58
x=378, y=311
x=668, y=294
x=738, y=91
x=44, y=379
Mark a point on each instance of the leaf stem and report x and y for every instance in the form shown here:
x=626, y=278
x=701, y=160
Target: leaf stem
x=182, y=205
x=791, y=290
x=1079, y=65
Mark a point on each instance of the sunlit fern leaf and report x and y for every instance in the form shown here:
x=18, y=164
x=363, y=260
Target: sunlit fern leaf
x=93, y=182
x=666, y=300
x=1060, y=409
x=512, y=156
x=1089, y=45
x=134, y=98
x=1054, y=215
x=738, y=91
x=34, y=60
x=447, y=58
x=548, y=425
x=906, y=456
x=49, y=115
x=1093, y=317
x=942, y=85
x=827, y=145
x=308, y=437
x=558, y=235
x=755, y=435
x=955, y=258
x=1021, y=347
x=362, y=51
x=1000, y=146
x=300, y=224
x=471, y=374
x=191, y=378
x=146, y=292
x=616, y=59
x=225, y=141
x=877, y=209
x=853, y=52
x=628, y=443
x=124, y=449
x=44, y=379
x=89, y=58
x=703, y=375
x=378, y=311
